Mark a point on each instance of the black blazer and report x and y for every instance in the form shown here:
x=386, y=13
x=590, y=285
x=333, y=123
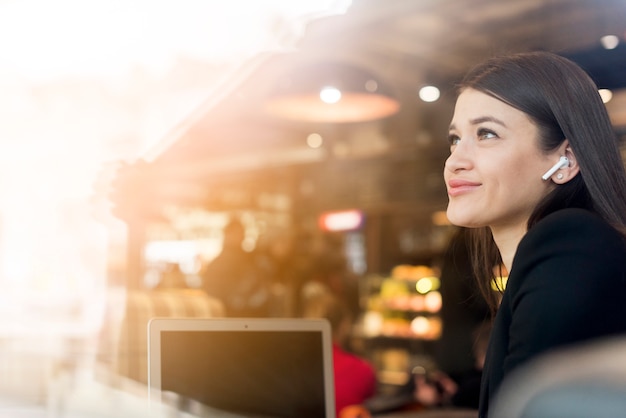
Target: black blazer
x=567, y=284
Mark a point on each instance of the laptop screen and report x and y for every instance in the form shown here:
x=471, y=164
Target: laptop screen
x=248, y=368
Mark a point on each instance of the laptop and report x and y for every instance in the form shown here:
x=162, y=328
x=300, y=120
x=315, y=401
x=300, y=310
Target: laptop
x=231, y=367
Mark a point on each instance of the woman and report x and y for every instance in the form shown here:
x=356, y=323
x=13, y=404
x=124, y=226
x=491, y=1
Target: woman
x=535, y=171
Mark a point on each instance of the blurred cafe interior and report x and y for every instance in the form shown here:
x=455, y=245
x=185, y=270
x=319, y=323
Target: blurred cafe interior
x=325, y=140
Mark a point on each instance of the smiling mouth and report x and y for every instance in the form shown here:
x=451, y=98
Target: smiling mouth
x=459, y=187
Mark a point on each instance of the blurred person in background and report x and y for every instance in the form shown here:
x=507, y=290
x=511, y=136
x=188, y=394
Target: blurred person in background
x=288, y=262
x=535, y=171
x=329, y=267
x=463, y=309
x=460, y=352
x=355, y=378
x=236, y=278
x=172, y=277
x=460, y=389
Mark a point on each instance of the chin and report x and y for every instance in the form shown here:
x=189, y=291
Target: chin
x=461, y=219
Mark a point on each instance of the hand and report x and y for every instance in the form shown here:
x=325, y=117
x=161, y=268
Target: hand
x=433, y=389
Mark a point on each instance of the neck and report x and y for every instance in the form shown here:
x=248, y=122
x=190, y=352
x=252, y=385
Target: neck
x=507, y=240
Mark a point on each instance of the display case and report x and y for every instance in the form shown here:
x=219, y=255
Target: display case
x=401, y=320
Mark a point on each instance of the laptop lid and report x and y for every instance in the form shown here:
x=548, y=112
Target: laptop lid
x=274, y=367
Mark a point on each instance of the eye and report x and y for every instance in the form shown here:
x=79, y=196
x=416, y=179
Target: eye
x=453, y=139
x=486, y=134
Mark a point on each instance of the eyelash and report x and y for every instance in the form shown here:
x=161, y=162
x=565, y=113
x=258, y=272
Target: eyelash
x=482, y=132
x=454, y=139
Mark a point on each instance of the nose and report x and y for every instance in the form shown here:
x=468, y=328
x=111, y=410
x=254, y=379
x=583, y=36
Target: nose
x=458, y=159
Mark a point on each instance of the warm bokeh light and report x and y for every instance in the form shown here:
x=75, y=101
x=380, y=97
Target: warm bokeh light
x=351, y=108
x=372, y=323
x=85, y=85
x=113, y=38
x=426, y=284
x=346, y=220
x=420, y=325
x=314, y=140
x=429, y=94
x=88, y=83
x=433, y=302
x=440, y=218
x=330, y=95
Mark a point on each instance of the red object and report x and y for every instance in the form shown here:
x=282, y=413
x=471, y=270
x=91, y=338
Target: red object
x=355, y=379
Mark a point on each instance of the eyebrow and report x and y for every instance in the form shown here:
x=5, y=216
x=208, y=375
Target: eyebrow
x=482, y=119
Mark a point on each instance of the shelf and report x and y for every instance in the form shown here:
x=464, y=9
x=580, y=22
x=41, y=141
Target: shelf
x=405, y=305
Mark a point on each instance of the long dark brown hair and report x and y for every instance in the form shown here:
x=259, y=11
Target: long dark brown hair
x=564, y=103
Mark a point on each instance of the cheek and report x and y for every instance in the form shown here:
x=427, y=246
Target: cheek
x=506, y=181
x=521, y=185
x=520, y=171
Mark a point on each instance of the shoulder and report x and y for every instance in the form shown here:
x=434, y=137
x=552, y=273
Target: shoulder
x=572, y=227
x=573, y=242
x=580, y=218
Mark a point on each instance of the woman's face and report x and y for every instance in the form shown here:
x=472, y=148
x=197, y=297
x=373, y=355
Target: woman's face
x=493, y=173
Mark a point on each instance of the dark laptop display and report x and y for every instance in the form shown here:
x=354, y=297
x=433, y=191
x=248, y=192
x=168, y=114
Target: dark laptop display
x=248, y=370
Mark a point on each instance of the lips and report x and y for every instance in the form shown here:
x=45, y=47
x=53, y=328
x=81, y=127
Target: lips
x=458, y=186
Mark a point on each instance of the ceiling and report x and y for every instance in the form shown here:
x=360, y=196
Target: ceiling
x=405, y=44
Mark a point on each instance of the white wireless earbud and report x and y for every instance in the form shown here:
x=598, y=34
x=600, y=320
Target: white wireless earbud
x=562, y=163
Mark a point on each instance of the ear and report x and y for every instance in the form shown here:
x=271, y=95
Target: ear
x=565, y=174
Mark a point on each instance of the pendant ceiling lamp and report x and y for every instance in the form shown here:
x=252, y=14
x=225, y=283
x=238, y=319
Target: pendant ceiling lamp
x=332, y=93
